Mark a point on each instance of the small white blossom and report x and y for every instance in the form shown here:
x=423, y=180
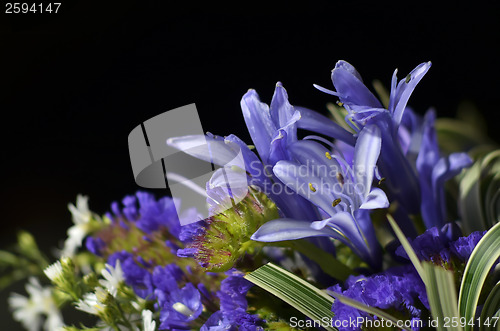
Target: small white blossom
x=112, y=278
x=31, y=310
x=147, y=318
x=92, y=303
x=54, y=271
x=81, y=216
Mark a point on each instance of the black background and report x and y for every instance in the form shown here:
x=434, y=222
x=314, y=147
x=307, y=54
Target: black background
x=74, y=84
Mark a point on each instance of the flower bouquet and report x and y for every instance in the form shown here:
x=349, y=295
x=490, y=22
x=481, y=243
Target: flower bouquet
x=371, y=218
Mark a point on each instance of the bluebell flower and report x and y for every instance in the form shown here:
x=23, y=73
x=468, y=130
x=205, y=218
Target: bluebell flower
x=344, y=194
x=272, y=130
x=434, y=171
x=398, y=288
x=364, y=109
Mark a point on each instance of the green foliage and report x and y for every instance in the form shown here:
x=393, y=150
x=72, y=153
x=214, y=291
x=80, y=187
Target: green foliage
x=479, y=201
x=482, y=259
x=491, y=310
x=24, y=260
x=442, y=296
x=309, y=300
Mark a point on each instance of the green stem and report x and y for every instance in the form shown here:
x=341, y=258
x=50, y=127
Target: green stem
x=126, y=322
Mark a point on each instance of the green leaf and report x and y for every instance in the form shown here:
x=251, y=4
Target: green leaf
x=473, y=218
x=382, y=92
x=309, y=300
x=442, y=296
x=476, y=271
x=407, y=247
x=370, y=310
x=339, y=113
x=491, y=308
x=479, y=201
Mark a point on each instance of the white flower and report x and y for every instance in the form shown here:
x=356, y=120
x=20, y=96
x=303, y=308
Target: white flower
x=113, y=278
x=92, y=303
x=147, y=318
x=54, y=271
x=81, y=218
x=30, y=310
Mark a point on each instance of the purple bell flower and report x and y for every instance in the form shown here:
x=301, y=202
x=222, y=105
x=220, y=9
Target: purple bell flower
x=345, y=195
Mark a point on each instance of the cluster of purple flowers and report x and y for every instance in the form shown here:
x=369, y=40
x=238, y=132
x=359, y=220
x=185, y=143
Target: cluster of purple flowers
x=443, y=246
x=398, y=290
x=144, y=235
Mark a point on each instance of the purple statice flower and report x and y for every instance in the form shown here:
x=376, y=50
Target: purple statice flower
x=463, y=247
x=217, y=322
x=179, y=306
x=136, y=275
x=149, y=214
x=95, y=245
x=398, y=288
x=442, y=245
x=434, y=171
x=364, y=109
x=343, y=192
x=233, y=302
x=432, y=246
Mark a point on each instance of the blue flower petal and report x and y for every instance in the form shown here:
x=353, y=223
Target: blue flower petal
x=366, y=153
x=207, y=148
x=314, y=156
x=282, y=112
x=289, y=229
x=252, y=163
x=350, y=87
x=375, y=199
x=449, y=167
x=258, y=121
x=313, y=121
x=278, y=149
x=345, y=224
x=405, y=88
x=306, y=185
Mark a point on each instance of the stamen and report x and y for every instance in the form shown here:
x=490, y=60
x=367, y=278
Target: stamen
x=336, y=202
x=328, y=156
x=408, y=78
x=311, y=187
x=340, y=104
x=381, y=180
x=183, y=309
x=340, y=178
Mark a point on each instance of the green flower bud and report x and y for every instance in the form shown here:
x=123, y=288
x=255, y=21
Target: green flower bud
x=227, y=235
